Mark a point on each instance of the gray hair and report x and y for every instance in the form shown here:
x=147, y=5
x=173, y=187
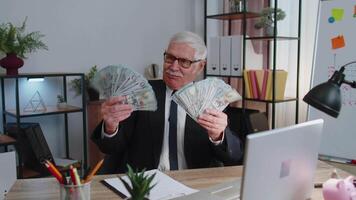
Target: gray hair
x=194, y=41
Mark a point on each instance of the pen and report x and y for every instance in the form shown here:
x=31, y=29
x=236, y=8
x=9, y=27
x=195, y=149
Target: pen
x=337, y=159
x=93, y=172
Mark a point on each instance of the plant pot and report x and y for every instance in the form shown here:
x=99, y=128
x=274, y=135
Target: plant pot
x=11, y=63
x=93, y=95
x=269, y=31
x=62, y=105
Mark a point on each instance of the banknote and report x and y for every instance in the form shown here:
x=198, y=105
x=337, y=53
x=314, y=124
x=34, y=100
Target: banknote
x=211, y=93
x=123, y=81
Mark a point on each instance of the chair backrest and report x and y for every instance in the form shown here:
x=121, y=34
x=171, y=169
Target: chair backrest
x=32, y=145
x=258, y=122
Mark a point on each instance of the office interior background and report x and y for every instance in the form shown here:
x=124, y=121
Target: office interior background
x=84, y=33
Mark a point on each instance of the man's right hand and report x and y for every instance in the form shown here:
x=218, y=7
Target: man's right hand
x=114, y=111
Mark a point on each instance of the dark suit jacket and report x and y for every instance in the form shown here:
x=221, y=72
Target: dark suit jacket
x=139, y=141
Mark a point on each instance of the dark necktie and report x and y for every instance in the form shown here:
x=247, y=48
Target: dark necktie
x=173, y=160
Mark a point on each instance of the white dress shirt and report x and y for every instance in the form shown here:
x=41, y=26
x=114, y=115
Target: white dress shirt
x=181, y=115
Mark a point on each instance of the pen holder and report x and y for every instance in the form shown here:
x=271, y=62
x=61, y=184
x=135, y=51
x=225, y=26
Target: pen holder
x=75, y=192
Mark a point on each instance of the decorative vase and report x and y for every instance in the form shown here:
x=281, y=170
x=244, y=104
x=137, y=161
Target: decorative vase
x=11, y=63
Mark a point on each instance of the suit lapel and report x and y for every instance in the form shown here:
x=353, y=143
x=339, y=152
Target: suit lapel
x=156, y=120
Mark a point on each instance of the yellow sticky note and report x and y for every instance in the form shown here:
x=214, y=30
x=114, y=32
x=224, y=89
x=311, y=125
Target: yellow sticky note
x=337, y=13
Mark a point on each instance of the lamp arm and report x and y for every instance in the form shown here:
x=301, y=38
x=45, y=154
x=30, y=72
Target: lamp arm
x=347, y=65
x=350, y=83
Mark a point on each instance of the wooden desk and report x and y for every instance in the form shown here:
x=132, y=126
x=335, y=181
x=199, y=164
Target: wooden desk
x=47, y=188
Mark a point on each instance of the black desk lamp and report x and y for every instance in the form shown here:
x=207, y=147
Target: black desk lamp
x=326, y=96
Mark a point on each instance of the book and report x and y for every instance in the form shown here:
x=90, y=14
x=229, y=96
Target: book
x=259, y=79
x=253, y=82
x=247, y=84
x=264, y=84
x=280, y=85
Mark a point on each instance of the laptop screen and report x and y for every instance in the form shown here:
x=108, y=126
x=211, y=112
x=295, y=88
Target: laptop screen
x=280, y=164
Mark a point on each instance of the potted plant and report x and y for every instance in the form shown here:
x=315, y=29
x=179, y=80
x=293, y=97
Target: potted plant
x=76, y=85
x=141, y=184
x=61, y=103
x=15, y=43
x=267, y=19
x=236, y=5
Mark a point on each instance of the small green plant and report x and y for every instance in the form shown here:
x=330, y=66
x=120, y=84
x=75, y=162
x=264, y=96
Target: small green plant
x=60, y=99
x=267, y=17
x=14, y=40
x=76, y=85
x=141, y=184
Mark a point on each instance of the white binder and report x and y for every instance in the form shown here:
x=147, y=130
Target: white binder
x=213, y=56
x=236, y=56
x=225, y=56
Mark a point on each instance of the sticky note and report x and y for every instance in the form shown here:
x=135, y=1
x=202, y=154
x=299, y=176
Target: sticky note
x=337, y=13
x=338, y=42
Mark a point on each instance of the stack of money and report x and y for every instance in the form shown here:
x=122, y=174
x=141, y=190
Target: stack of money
x=211, y=93
x=123, y=81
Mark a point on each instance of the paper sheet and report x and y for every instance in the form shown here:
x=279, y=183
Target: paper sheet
x=166, y=187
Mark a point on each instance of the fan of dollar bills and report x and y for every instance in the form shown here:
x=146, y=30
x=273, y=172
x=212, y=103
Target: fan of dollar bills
x=209, y=93
x=123, y=81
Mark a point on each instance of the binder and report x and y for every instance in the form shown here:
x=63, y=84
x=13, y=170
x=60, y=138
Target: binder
x=225, y=56
x=212, y=67
x=236, y=56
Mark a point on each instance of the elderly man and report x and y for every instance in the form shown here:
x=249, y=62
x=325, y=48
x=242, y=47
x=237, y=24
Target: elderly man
x=167, y=139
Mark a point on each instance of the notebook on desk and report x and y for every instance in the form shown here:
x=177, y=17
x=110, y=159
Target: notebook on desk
x=279, y=165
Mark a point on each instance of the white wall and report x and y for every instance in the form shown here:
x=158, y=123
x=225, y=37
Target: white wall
x=84, y=33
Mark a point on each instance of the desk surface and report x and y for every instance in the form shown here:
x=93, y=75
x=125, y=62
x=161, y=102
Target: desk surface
x=47, y=188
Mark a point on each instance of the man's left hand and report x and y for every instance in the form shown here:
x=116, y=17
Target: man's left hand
x=214, y=122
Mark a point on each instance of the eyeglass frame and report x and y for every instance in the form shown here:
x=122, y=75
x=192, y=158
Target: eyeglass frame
x=180, y=60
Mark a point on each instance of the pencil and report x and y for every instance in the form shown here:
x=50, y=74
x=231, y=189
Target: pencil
x=52, y=166
x=72, y=176
x=77, y=178
x=58, y=176
x=93, y=172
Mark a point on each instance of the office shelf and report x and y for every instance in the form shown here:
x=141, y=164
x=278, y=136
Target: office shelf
x=272, y=38
x=270, y=53
x=233, y=16
x=286, y=99
x=19, y=113
x=50, y=110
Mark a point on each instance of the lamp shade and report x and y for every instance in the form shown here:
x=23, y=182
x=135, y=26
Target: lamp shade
x=325, y=97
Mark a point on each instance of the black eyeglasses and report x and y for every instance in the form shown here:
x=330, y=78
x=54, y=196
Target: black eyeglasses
x=185, y=63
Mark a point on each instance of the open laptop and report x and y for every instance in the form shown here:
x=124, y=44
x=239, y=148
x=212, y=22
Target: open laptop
x=279, y=165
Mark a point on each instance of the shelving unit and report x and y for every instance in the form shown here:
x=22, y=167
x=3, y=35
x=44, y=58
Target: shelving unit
x=245, y=17
x=19, y=113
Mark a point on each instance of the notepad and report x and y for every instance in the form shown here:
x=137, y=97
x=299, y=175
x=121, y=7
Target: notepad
x=166, y=188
